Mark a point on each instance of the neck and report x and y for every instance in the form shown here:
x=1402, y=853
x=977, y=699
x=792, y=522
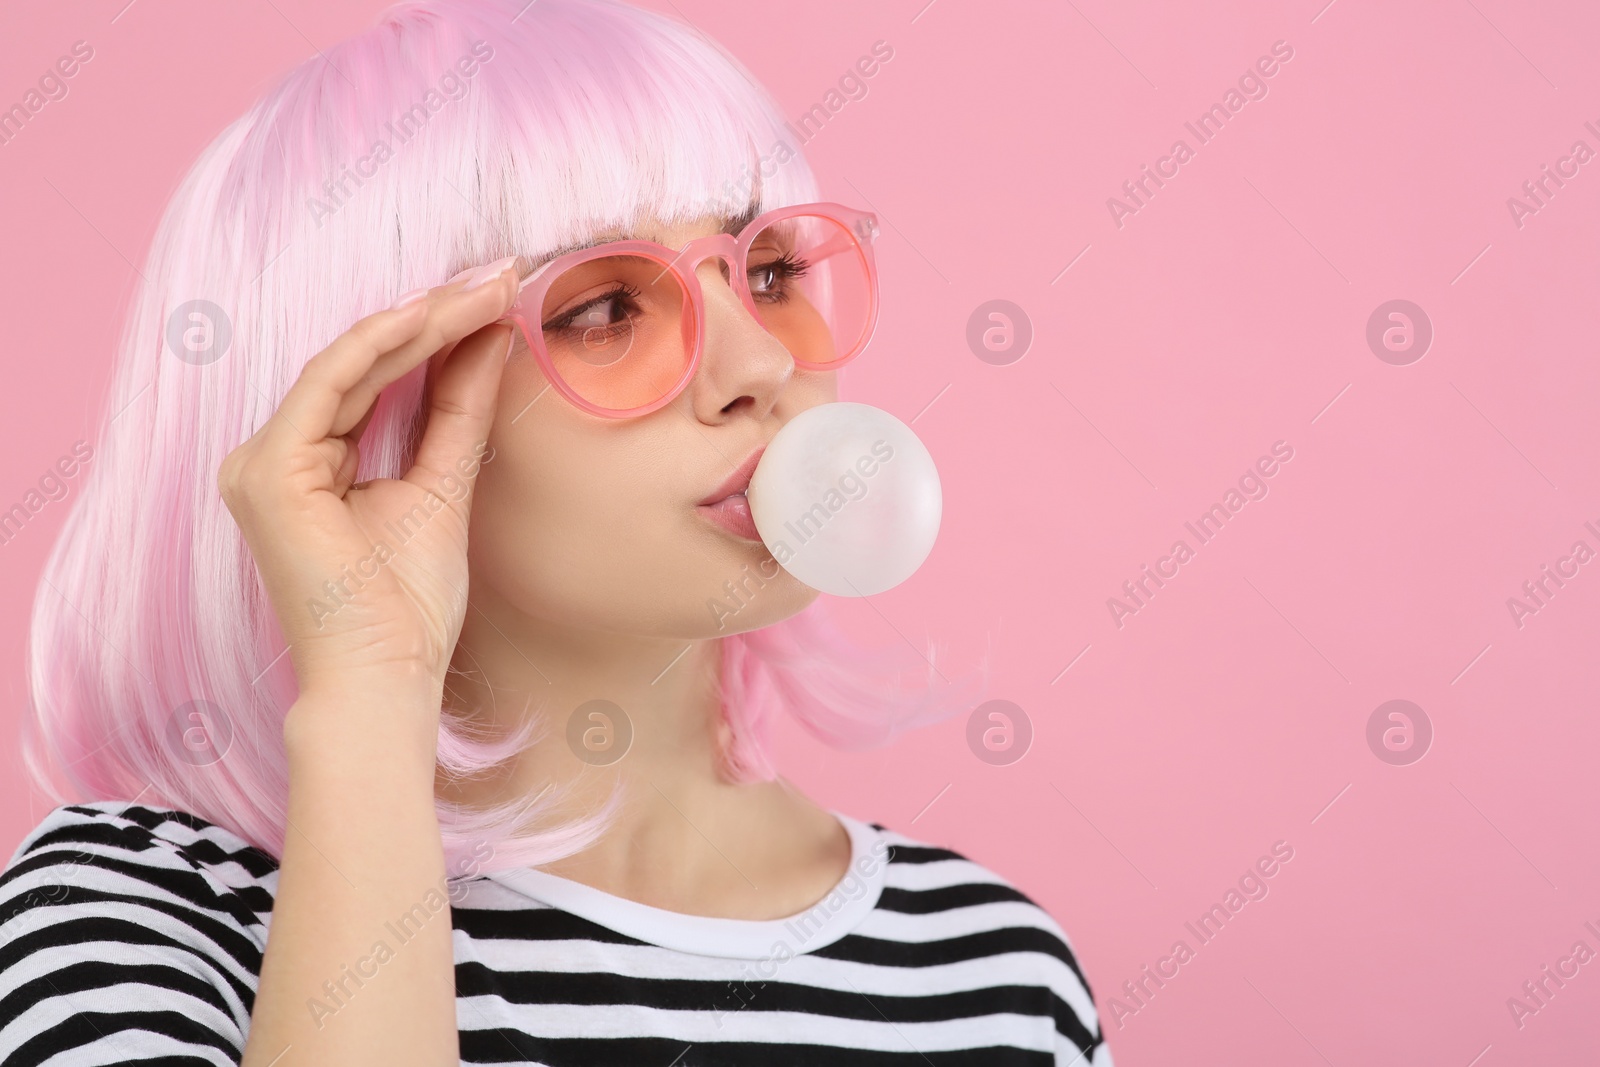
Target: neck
x=684, y=839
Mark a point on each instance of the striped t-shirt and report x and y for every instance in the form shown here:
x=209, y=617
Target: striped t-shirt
x=134, y=933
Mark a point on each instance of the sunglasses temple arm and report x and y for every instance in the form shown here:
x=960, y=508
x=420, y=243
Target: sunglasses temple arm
x=832, y=247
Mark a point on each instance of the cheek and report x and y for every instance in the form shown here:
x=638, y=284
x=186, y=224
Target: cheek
x=568, y=498
x=557, y=488
x=559, y=539
x=807, y=389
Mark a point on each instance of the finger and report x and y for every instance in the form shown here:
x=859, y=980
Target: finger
x=346, y=470
x=356, y=432
x=461, y=412
x=345, y=473
x=391, y=366
x=399, y=338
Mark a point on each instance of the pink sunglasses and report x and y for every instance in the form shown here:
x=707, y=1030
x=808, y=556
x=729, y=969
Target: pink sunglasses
x=619, y=328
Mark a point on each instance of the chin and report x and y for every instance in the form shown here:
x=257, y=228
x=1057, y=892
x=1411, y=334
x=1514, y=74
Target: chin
x=754, y=593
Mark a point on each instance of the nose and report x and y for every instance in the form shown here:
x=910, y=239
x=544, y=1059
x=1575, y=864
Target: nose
x=743, y=367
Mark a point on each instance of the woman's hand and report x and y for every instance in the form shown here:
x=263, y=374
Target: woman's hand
x=369, y=581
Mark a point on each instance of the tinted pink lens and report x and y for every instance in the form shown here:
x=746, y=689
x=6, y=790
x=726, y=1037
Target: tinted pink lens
x=616, y=328
x=808, y=278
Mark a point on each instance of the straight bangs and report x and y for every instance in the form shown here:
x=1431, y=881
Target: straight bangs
x=575, y=118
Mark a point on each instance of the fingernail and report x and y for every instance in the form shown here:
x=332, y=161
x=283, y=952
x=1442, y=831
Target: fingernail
x=409, y=298
x=456, y=277
x=489, y=272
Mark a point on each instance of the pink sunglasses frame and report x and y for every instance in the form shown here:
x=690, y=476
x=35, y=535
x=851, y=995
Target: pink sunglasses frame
x=524, y=312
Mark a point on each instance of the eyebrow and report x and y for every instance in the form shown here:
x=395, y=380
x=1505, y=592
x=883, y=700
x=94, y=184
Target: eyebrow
x=730, y=224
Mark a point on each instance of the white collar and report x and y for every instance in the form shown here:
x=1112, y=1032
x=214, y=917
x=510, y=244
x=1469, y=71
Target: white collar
x=839, y=911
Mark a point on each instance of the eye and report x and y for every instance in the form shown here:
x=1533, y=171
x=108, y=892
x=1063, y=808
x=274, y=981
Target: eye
x=774, y=280
x=603, y=313
x=608, y=309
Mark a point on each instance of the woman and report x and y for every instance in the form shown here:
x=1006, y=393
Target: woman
x=501, y=798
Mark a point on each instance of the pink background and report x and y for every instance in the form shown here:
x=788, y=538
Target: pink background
x=1228, y=313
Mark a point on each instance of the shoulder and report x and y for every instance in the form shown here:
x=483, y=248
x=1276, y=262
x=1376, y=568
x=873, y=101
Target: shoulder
x=115, y=859
x=150, y=824
x=923, y=877
x=147, y=917
x=932, y=891
x=116, y=843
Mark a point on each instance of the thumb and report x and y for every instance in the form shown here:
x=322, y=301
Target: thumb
x=461, y=411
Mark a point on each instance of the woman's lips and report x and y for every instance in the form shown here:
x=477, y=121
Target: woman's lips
x=726, y=505
x=738, y=480
x=732, y=513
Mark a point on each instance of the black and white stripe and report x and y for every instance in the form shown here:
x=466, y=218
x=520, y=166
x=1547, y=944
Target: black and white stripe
x=134, y=933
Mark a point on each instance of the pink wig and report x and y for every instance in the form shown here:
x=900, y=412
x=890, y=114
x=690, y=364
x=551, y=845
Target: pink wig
x=451, y=133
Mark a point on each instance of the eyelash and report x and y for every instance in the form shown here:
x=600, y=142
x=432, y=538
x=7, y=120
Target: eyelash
x=563, y=320
x=789, y=267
